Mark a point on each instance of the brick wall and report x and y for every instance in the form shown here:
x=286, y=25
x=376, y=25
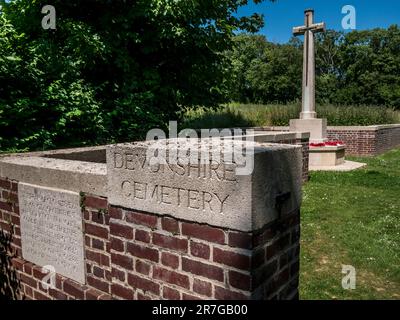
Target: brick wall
x=137, y=255
x=367, y=142
x=97, y=260
x=361, y=141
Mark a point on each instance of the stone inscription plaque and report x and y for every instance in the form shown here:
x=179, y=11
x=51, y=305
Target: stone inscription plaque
x=51, y=229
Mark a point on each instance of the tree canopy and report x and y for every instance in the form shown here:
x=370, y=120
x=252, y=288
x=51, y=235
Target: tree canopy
x=111, y=69
x=355, y=68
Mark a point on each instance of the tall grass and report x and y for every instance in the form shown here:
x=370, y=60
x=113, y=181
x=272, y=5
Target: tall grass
x=242, y=115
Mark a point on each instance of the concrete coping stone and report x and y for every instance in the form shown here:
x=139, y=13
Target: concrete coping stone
x=210, y=192
x=365, y=128
x=327, y=149
x=56, y=173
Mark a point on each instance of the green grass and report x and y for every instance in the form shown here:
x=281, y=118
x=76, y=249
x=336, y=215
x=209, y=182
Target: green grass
x=241, y=115
x=352, y=218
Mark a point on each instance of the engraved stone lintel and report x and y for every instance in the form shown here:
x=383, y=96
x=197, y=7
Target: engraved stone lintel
x=210, y=192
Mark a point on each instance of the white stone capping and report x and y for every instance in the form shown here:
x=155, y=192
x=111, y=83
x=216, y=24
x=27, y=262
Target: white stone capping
x=56, y=173
x=212, y=194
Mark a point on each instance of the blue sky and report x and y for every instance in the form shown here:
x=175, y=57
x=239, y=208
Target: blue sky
x=282, y=15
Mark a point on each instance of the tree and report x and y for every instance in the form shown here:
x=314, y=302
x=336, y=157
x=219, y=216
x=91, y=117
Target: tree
x=356, y=68
x=111, y=70
x=264, y=72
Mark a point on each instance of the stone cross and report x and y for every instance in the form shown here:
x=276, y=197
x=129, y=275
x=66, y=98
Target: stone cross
x=308, y=97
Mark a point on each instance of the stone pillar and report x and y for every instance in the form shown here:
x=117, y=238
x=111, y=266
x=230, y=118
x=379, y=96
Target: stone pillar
x=201, y=231
x=308, y=92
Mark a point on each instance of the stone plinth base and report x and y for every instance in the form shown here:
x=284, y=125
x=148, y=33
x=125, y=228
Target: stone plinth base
x=316, y=127
x=327, y=156
x=346, y=166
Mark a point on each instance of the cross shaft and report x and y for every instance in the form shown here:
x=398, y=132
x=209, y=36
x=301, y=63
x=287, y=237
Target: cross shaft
x=308, y=96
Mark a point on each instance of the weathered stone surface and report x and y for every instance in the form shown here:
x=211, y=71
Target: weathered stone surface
x=316, y=128
x=64, y=174
x=327, y=156
x=51, y=229
x=209, y=193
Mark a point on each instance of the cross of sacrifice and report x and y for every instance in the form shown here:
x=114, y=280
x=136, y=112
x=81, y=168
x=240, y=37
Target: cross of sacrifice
x=308, y=97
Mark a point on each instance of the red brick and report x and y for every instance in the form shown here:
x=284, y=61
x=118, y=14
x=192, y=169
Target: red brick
x=93, y=256
x=142, y=267
x=5, y=184
x=97, y=244
x=240, y=240
x=171, y=277
x=202, y=269
x=14, y=186
x=13, y=197
x=39, y=296
x=240, y=280
x=142, y=252
x=57, y=294
x=202, y=287
x=121, y=291
x=283, y=241
x=144, y=284
x=104, y=260
x=122, y=260
x=74, y=289
x=59, y=281
x=18, y=263
x=98, y=284
x=5, y=206
x=87, y=241
x=121, y=230
x=97, y=231
x=232, y=259
x=203, y=232
x=141, y=218
x=28, y=268
x=265, y=236
x=17, y=242
x=38, y=274
x=30, y=281
x=118, y=274
x=98, y=272
x=5, y=227
x=170, y=260
x=97, y=217
x=28, y=291
x=271, y=250
x=171, y=294
x=169, y=242
x=264, y=274
x=169, y=224
x=143, y=236
x=16, y=209
x=117, y=244
x=115, y=213
x=142, y=297
x=95, y=202
x=225, y=294
x=105, y=297
x=17, y=231
x=93, y=294
x=199, y=250
x=258, y=258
